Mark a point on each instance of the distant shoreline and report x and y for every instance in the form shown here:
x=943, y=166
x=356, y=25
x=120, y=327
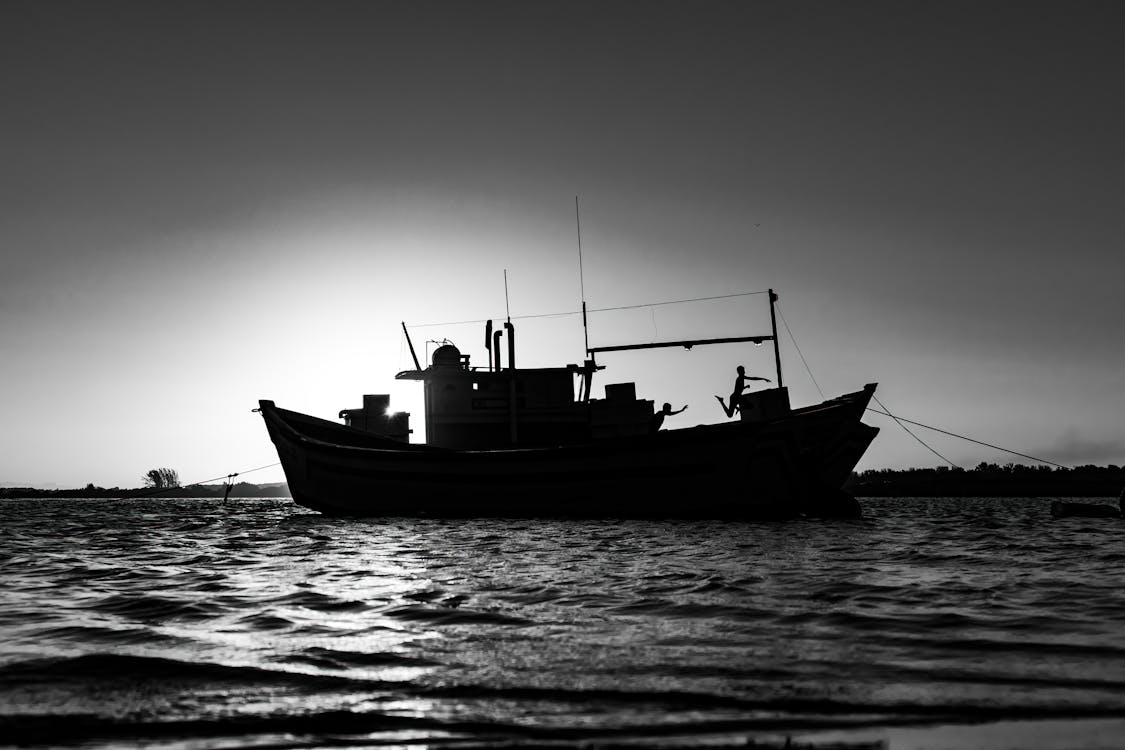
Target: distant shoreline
x=990, y=480
x=985, y=480
x=241, y=489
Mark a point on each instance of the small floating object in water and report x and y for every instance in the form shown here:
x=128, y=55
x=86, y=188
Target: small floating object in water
x=1060, y=509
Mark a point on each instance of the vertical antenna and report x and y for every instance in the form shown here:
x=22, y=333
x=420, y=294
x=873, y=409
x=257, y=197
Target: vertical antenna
x=581, y=276
x=507, y=307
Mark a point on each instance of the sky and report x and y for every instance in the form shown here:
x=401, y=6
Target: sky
x=204, y=204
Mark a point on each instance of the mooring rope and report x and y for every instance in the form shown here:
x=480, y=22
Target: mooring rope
x=228, y=477
x=910, y=433
x=901, y=420
x=965, y=437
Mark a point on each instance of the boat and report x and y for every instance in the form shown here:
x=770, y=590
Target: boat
x=505, y=441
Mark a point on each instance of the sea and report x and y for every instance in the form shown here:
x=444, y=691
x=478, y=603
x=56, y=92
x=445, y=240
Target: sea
x=254, y=623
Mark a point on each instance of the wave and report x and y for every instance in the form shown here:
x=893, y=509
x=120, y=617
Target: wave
x=332, y=659
x=632, y=713
x=666, y=608
x=131, y=668
x=266, y=621
x=127, y=667
x=74, y=728
x=152, y=608
x=319, y=602
x=30, y=729
x=432, y=616
x=84, y=634
x=1030, y=648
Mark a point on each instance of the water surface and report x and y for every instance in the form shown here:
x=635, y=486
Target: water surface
x=197, y=623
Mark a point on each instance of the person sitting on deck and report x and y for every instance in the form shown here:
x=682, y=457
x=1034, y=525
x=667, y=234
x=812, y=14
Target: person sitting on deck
x=658, y=417
x=736, y=394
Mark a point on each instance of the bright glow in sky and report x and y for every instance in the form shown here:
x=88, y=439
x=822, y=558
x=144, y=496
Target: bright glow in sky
x=207, y=204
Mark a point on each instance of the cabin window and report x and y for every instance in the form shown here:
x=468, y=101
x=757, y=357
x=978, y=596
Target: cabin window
x=476, y=386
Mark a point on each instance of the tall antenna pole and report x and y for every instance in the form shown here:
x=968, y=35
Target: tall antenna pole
x=506, y=305
x=581, y=276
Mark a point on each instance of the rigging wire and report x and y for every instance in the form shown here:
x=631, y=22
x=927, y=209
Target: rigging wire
x=887, y=411
x=963, y=437
x=594, y=309
x=485, y=320
x=911, y=434
x=798, y=348
x=227, y=477
x=680, y=301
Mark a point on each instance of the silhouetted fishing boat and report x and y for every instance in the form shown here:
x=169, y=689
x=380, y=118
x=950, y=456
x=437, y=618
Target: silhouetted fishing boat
x=518, y=442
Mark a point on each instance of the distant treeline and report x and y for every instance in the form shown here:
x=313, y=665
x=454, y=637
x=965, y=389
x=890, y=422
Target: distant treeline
x=990, y=480
x=985, y=480
x=241, y=489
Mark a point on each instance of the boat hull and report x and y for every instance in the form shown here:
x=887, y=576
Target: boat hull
x=787, y=467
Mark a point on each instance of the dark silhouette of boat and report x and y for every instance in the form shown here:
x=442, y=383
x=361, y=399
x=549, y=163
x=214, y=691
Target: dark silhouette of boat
x=525, y=442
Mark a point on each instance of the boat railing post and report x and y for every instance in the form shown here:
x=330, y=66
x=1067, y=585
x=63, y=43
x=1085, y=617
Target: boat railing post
x=776, y=343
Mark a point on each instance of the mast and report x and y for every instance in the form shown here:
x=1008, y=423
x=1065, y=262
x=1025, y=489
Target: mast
x=411, y=345
x=776, y=345
x=507, y=306
x=581, y=275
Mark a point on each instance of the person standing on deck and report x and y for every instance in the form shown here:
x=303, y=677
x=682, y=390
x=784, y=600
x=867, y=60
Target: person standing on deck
x=739, y=386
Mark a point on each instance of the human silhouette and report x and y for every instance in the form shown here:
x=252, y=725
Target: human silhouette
x=739, y=386
x=658, y=417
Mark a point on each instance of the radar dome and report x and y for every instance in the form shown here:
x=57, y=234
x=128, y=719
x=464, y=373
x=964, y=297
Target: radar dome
x=447, y=355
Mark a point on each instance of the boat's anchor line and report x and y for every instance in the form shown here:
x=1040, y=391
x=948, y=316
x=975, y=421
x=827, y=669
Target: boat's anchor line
x=910, y=432
x=227, y=477
x=965, y=437
x=887, y=413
